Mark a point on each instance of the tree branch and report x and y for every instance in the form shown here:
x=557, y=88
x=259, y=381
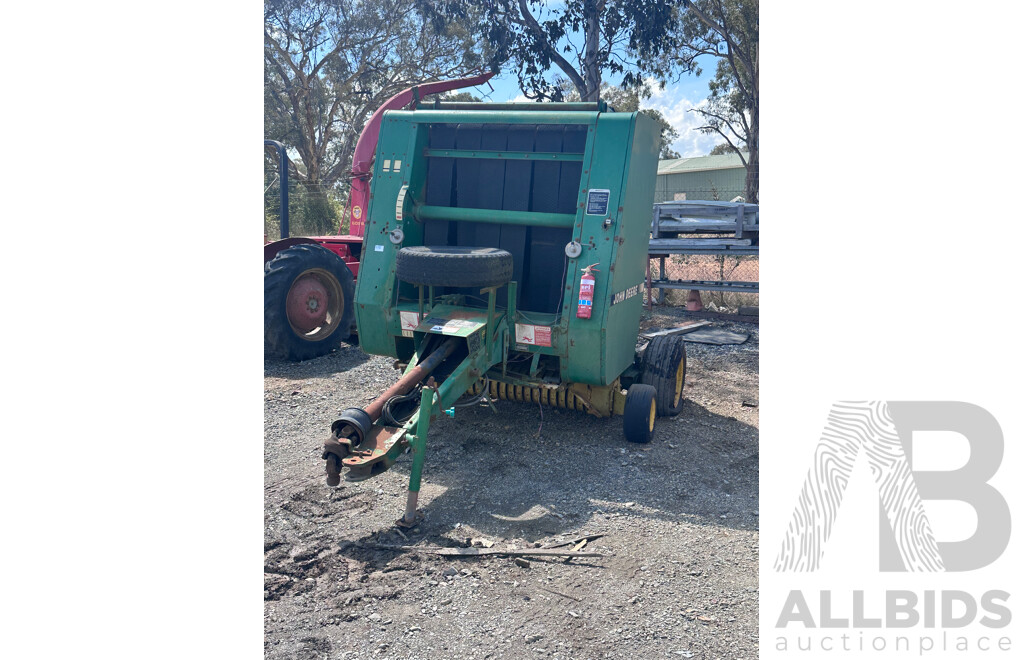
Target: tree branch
x=709, y=128
x=541, y=38
x=711, y=24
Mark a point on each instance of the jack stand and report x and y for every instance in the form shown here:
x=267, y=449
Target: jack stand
x=418, y=445
x=412, y=517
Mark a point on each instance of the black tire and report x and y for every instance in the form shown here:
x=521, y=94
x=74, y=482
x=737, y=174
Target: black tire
x=663, y=366
x=306, y=262
x=638, y=415
x=454, y=266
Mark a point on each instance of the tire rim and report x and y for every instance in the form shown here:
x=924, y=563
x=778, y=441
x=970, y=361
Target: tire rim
x=680, y=370
x=313, y=304
x=650, y=421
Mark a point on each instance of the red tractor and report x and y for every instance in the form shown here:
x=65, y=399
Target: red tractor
x=309, y=282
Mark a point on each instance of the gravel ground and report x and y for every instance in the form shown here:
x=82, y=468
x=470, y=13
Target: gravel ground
x=680, y=518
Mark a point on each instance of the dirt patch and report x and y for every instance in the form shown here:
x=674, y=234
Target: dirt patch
x=679, y=517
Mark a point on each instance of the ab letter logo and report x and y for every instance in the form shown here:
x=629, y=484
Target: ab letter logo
x=882, y=431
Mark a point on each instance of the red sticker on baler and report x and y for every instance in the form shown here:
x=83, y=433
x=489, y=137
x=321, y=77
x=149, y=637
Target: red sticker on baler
x=533, y=335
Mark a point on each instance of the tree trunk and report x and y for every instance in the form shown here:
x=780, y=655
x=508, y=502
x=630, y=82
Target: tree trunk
x=752, y=159
x=591, y=70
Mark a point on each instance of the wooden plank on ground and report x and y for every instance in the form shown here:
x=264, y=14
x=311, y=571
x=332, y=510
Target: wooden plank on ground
x=481, y=552
x=689, y=326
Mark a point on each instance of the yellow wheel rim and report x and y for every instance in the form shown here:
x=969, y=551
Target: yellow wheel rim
x=651, y=420
x=680, y=371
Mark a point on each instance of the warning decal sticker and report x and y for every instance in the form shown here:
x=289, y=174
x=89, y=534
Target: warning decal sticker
x=409, y=322
x=533, y=335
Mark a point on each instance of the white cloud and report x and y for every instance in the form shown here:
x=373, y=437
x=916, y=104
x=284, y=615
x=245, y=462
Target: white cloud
x=676, y=108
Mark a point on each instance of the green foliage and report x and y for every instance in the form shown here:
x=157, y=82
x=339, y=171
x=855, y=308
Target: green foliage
x=631, y=38
x=328, y=64
x=315, y=213
x=723, y=149
x=313, y=210
x=628, y=99
x=456, y=97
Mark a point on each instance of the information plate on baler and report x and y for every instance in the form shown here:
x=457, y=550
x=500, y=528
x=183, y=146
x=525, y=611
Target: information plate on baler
x=597, y=202
x=454, y=327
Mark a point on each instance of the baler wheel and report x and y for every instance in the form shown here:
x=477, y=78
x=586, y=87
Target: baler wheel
x=639, y=412
x=454, y=266
x=307, y=303
x=664, y=367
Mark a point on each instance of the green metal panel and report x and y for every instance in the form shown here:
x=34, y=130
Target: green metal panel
x=493, y=117
x=377, y=318
x=624, y=300
x=619, y=162
x=586, y=360
x=494, y=216
x=624, y=161
x=500, y=155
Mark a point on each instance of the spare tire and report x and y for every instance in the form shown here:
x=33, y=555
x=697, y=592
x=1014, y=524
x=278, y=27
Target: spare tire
x=454, y=266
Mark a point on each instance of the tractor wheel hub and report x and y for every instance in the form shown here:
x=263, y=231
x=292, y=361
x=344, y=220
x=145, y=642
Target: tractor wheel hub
x=307, y=303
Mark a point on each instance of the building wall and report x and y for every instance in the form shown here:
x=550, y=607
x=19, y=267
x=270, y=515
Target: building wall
x=701, y=185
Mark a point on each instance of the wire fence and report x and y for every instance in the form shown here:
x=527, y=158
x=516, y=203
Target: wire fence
x=313, y=210
x=723, y=185
x=708, y=268
x=702, y=192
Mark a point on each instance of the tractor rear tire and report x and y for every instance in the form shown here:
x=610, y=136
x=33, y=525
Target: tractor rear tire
x=663, y=366
x=638, y=414
x=307, y=303
x=454, y=266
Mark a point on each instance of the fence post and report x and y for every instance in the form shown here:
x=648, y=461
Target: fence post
x=283, y=173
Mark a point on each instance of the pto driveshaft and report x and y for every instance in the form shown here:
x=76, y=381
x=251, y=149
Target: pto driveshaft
x=349, y=431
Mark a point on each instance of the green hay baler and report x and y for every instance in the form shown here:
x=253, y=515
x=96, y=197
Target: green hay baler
x=504, y=256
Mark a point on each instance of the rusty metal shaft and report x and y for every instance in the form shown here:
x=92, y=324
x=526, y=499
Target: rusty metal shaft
x=409, y=380
x=334, y=451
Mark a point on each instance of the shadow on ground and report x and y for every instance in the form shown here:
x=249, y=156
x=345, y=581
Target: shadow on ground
x=347, y=356
x=493, y=474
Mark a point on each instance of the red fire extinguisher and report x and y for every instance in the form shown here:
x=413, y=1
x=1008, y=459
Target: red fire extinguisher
x=586, y=305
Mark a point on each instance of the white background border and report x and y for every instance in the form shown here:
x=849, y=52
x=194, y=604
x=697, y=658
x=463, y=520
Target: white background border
x=132, y=472
x=891, y=265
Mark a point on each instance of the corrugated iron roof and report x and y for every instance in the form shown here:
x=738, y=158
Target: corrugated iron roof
x=699, y=164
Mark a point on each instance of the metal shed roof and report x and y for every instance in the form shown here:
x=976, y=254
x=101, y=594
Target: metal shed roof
x=699, y=164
